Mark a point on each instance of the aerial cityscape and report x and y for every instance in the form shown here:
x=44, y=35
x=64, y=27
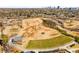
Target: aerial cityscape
x=39, y=30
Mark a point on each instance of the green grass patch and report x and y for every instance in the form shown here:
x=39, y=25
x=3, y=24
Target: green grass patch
x=49, y=43
x=4, y=38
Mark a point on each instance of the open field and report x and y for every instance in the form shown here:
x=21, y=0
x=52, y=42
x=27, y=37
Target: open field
x=49, y=43
x=40, y=29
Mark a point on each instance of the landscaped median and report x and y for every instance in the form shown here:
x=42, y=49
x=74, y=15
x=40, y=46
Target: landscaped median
x=49, y=43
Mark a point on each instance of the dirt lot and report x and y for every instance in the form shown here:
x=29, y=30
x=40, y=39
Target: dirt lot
x=33, y=28
x=71, y=24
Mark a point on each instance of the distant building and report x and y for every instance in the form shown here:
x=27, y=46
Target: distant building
x=58, y=7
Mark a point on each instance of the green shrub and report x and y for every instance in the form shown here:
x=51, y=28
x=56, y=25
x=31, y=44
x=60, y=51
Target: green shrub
x=77, y=39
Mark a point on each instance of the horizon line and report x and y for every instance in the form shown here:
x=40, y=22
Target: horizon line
x=41, y=7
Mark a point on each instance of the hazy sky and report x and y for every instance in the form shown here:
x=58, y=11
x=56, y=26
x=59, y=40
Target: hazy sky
x=38, y=3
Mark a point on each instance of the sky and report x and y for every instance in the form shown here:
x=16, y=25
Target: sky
x=38, y=3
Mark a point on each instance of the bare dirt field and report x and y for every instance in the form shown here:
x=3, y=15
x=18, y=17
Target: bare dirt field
x=33, y=28
x=71, y=24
